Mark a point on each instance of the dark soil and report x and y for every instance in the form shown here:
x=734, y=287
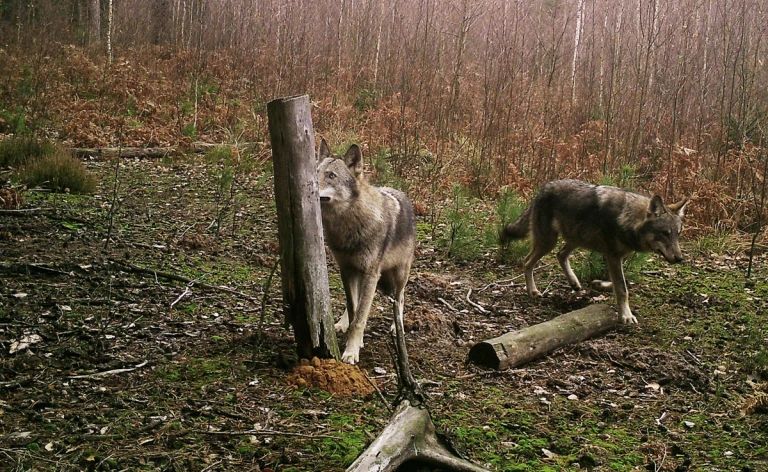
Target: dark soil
x=111, y=360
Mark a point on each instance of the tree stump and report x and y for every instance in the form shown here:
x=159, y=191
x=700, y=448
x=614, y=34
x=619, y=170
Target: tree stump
x=410, y=435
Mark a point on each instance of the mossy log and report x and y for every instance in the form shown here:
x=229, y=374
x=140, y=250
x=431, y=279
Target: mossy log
x=519, y=347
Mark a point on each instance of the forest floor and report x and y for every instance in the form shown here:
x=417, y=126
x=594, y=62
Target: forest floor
x=107, y=365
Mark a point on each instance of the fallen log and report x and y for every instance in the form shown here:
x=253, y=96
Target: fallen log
x=157, y=152
x=519, y=347
x=127, y=152
x=410, y=436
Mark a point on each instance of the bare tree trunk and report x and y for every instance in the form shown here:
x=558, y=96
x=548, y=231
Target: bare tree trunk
x=378, y=46
x=94, y=12
x=109, y=33
x=576, y=41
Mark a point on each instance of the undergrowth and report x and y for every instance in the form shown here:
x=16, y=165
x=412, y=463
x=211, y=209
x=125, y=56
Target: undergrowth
x=41, y=163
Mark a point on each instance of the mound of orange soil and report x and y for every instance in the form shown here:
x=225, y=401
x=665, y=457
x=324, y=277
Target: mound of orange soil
x=331, y=376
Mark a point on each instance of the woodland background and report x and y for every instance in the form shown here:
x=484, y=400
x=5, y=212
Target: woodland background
x=660, y=95
x=141, y=316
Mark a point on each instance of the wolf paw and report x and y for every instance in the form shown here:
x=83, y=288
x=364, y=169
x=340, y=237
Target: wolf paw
x=350, y=357
x=534, y=293
x=628, y=318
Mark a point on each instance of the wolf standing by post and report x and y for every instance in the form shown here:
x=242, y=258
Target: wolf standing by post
x=371, y=232
x=605, y=219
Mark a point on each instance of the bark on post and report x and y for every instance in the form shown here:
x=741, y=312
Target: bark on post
x=519, y=347
x=306, y=298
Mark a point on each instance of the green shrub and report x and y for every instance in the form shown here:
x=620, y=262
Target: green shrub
x=18, y=151
x=464, y=239
x=593, y=267
x=189, y=130
x=60, y=172
x=13, y=121
x=624, y=177
x=385, y=172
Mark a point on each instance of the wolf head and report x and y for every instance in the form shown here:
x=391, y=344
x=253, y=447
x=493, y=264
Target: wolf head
x=661, y=230
x=339, y=178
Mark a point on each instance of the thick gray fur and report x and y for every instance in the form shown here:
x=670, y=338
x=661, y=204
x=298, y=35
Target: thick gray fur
x=371, y=232
x=605, y=219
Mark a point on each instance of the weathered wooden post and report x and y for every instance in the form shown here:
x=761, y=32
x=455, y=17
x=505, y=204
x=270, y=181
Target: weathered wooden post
x=304, y=273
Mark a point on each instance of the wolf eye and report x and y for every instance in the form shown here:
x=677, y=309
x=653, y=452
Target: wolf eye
x=668, y=232
x=331, y=175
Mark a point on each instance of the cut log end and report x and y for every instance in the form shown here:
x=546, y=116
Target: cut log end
x=483, y=354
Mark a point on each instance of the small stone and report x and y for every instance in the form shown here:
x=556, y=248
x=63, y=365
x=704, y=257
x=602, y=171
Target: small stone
x=573, y=397
x=689, y=424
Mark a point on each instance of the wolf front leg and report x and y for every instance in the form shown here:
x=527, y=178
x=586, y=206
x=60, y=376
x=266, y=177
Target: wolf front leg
x=366, y=291
x=616, y=272
x=350, y=279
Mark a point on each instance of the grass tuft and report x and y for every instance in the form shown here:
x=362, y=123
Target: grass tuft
x=17, y=151
x=60, y=172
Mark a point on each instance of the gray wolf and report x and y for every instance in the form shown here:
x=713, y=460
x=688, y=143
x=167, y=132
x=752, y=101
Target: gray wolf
x=371, y=232
x=605, y=219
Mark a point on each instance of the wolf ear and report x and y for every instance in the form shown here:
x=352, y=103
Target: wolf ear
x=656, y=207
x=354, y=159
x=679, y=207
x=324, y=150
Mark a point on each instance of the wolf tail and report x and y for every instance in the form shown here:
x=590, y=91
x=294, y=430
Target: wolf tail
x=517, y=230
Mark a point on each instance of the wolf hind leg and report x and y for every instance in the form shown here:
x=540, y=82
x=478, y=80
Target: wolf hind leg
x=543, y=243
x=563, y=256
x=366, y=291
x=616, y=272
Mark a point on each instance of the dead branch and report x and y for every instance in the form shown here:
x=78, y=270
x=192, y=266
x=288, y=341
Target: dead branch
x=107, y=373
x=127, y=266
x=27, y=268
x=476, y=305
x=20, y=211
x=155, y=152
x=410, y=434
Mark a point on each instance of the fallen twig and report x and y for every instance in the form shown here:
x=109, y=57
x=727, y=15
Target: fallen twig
x=476, y=305
x=27, y=268
x=20, y=211
x=108, y=372
x=381, y=395
x=190, y=282
x=451, y=307
x=259, y=432
x=184, y=294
